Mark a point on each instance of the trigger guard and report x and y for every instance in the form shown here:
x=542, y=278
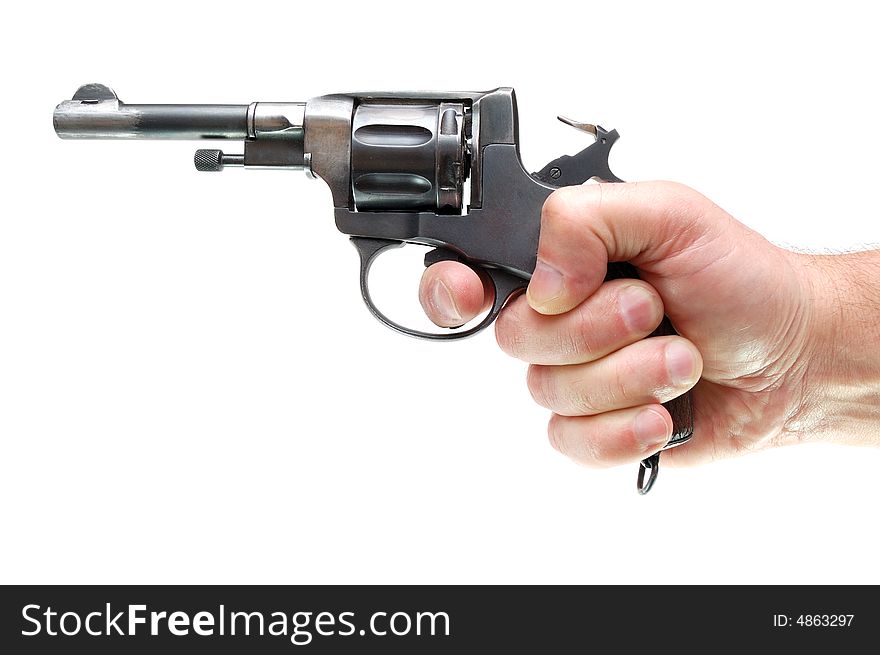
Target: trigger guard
x=505, y=285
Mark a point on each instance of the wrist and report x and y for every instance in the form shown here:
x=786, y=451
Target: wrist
x=841, y=360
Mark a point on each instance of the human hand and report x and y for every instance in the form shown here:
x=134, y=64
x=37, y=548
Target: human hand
x=759, y=325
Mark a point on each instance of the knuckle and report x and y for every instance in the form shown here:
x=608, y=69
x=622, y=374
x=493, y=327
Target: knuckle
x=583, y=402
x=541, y=386
x=619, y=385
x=510, y=333
x=570, y=344
x=682, y=201
x=558, y=203
x=534, y=381
x=663, y=389
x=580, y=339
x=607, y=389
x=579, y=446
x=561, y=213
x=593, y=454
x=568, y=397
x=644, y=378
x=554, y=434
x=677, y=190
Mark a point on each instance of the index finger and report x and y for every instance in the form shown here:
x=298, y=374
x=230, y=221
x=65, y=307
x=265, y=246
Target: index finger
x=453, y=294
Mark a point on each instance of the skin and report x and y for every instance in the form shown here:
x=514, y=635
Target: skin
x=778, y=347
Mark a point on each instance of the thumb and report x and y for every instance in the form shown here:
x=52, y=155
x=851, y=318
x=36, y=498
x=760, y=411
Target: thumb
x=585, y=227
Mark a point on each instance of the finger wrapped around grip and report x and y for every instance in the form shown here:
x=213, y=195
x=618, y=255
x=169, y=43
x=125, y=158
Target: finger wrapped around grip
x=619, y=313
x=612, y=438
x=652, y=370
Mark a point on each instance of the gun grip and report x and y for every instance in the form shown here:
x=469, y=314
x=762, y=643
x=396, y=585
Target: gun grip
x=681, y=408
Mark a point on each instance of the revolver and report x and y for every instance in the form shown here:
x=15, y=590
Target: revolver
x=399, y=167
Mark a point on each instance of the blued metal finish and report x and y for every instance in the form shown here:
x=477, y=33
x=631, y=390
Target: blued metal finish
x=589, y=163
x=408, y=157
x=328, y=143
x=503, y=233
x=276, y=120
x=274, y=153
x=451, y=164
x=215, y=160
x=95, y=112
x=276, y=135
x=651, y=466
x=501, y=125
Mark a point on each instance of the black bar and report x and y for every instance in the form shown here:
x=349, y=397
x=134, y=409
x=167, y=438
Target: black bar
x=478, y=619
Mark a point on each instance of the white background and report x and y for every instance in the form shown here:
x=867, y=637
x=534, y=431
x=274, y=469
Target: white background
x=191, y=390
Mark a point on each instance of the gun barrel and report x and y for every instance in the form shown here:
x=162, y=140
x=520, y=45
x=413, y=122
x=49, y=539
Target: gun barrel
x=114, y=120
x=273, y=132
x=95, y=112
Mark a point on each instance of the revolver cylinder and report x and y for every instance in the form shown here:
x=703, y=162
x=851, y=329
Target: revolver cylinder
x=408, y=157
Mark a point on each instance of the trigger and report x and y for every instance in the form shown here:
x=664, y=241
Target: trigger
x=442, y=255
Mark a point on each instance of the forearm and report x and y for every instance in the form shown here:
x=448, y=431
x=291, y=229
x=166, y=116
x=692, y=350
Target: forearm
x=842, y=364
